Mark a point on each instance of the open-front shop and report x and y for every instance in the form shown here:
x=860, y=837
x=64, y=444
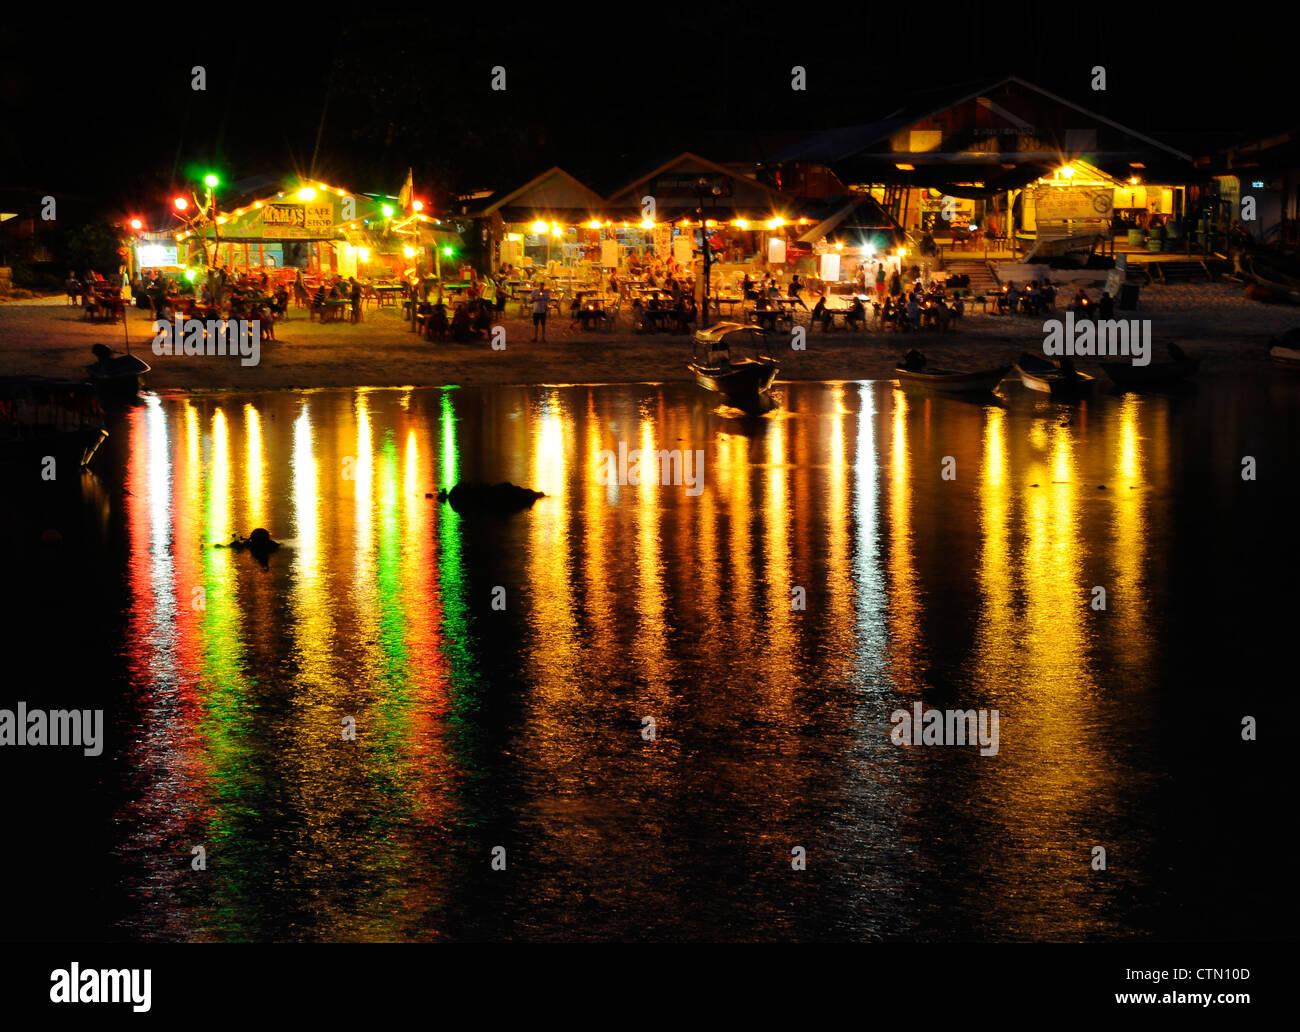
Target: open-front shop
x=320, y=231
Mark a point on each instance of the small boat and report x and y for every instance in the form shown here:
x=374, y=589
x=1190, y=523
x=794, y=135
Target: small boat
x=41, y=417
x=1286, y=349
x=744, y=381
x=913, y=372
x=1157, y=374
x=117, y=377
x=1050, y=377
x=1285, y=356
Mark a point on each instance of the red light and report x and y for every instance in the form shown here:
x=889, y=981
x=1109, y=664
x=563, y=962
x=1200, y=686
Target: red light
x=135, y=223
x=181, y=203
x=417, y=205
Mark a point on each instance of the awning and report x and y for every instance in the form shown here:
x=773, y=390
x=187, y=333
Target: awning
x=860, y=216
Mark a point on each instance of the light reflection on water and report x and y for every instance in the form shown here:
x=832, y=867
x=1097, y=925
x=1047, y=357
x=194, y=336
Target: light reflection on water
x=520, y=726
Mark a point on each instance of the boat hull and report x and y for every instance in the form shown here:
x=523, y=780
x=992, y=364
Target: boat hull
x=119, y=379
x=1046, y=377
x=949, y=381
x=67, y=447
x=1285, y=356
x=744, y=384
x=1157, y=374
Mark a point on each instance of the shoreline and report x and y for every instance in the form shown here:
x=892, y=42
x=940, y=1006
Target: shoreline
x=48, y=337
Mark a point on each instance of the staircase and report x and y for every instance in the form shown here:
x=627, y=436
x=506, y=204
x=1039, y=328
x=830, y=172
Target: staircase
x=982, y=280
x=1178, y=272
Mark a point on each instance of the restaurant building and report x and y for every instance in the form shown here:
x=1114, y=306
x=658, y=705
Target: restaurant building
x=1008, y=163
x=320, y=229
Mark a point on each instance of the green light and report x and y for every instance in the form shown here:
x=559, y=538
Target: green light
x=387, y=209
x=191, y=275
x=448, y=251
x=211, y=180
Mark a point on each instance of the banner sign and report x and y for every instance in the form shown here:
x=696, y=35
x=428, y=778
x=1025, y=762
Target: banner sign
x=686, y=184
x=1055, y=204
x=298, y=220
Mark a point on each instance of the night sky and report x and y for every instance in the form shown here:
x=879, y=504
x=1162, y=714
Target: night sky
x=103, y=107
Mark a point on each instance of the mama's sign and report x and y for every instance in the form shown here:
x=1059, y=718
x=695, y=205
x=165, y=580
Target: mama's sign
x=297, y=220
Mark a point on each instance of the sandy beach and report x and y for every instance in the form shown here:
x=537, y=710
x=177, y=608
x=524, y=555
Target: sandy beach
x=49, y=337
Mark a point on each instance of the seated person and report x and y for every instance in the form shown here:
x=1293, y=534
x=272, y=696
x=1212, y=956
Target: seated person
x=820, y=315
x=913, y=361
x=435, y=323
x=461, y=331
x=1106, y=307
x=857, y=314
x=1013, y=298
x=1033, y=298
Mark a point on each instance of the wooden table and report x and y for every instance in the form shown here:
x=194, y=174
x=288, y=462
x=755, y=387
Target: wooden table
x=387, y=296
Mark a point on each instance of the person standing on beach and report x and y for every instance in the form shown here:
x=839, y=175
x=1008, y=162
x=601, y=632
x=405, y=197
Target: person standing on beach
x=541, y=299
x=880, y=282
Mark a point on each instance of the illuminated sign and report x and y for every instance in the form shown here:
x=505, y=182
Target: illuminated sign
x=297, y=220
x=155, y=255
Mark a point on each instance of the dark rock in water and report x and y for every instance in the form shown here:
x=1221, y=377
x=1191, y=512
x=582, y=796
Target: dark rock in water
x=470, y=496
x=259, y=543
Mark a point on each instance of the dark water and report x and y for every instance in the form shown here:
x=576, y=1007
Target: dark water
x=226, y=684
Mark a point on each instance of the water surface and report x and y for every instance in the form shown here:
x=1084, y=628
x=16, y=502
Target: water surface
x=521, y=727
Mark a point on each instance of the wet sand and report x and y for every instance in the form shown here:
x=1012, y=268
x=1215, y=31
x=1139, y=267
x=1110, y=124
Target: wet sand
x=46, y=336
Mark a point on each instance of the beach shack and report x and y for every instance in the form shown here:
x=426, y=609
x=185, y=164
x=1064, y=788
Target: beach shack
x=321, y=230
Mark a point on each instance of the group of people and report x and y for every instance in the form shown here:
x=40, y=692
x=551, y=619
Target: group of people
x=336, y=290
x=1035, y=299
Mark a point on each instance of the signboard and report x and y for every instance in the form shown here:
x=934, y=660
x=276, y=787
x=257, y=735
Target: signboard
x=1056, y=204
x=960, y=211
x=686, y=184
x=831, y=267
x=663, y=236
x=609, y=254
x=300, y=221
x=776, y=251
x=682, y=250
x=152, y=256
x=1115, y=277
x=347, y=259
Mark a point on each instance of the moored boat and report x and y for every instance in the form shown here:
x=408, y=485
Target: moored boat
x=117, y=377
x=1059, y=379
x=1180, y=367
x=743, y=381
x=914, y=372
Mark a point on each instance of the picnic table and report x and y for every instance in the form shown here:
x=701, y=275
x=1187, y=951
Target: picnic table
x=768, y=313
x=730, y=302
x=386, y=294
x=333, y=310
x=657, y=319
